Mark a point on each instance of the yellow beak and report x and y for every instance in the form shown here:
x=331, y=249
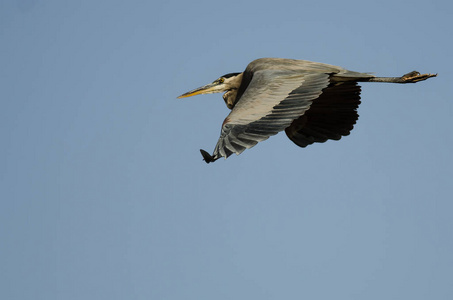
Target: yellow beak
x=207, y=89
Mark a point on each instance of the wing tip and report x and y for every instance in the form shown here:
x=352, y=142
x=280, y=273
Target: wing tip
x=208, y=158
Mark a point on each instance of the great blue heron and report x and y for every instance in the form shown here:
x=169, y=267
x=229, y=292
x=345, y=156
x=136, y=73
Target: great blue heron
x=312, y=102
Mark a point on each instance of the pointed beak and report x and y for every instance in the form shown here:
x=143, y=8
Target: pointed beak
x=207, y=89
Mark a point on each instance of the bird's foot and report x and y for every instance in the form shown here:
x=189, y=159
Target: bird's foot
x=415, y=76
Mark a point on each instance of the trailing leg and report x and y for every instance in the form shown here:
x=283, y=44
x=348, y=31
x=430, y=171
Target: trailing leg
x=411, y=77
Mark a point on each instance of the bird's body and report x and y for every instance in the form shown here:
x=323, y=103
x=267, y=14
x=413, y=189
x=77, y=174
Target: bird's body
x=312, y=102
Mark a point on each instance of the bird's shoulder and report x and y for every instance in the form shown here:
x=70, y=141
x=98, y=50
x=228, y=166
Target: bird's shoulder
x=282, y=64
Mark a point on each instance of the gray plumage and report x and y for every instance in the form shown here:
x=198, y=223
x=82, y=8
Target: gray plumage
x=312, y=102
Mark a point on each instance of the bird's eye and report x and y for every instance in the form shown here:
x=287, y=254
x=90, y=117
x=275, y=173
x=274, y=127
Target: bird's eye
x=220, y=80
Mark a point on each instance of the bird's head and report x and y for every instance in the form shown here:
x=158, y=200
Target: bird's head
x=227, y=82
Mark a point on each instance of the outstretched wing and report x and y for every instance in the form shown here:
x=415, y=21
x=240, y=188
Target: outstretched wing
x=330, y=117
x=272, y=100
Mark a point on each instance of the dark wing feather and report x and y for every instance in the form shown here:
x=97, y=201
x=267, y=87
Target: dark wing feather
x=271, y=102
x=330, y=117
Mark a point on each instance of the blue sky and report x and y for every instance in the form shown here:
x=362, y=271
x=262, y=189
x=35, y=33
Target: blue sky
x=104, y=194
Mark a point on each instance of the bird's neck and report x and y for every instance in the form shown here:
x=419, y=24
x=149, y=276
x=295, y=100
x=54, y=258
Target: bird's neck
x=230, y=98
x=230, y=95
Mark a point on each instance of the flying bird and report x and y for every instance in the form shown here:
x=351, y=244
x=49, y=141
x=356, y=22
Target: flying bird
x=313, y=102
